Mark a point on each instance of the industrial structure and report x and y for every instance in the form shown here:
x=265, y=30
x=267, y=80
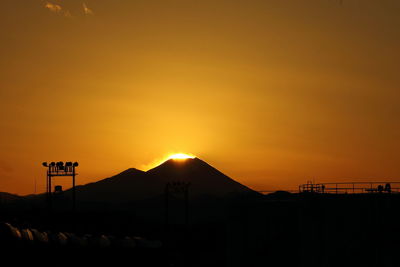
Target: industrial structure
x=57, y=169
x=350, y=188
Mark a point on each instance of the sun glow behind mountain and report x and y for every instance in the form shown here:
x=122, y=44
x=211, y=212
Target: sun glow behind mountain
x=180, y=156
x=174, y=156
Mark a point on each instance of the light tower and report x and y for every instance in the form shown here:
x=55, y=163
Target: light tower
x=55, y=169
x=176, y=188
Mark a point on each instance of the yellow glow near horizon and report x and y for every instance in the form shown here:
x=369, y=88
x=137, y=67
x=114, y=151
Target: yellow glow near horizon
x=180, y=156
x=174, y=156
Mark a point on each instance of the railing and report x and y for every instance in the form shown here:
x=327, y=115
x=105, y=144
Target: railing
x=351, y=188
x=266, y=192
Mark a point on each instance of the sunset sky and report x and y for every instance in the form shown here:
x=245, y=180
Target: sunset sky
x=271, y=92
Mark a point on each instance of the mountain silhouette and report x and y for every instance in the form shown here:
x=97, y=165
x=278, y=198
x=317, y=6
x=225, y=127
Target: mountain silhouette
x=7, y=197
x=135, y=185
x=203, y=178
x=129, y=185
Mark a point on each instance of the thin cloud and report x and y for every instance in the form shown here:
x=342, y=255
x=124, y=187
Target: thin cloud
x=56, y=8
x=67, y=14
x=53, y=7
x=87, y=10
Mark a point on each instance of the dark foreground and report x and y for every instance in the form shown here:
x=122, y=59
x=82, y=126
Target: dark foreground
x=280, y=229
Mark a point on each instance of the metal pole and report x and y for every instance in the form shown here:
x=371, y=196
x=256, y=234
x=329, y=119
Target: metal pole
x=187, y=206
x=167, y=241
x=47, y=184
x=166, y=207
x=73, y=190
x=47, y=188
x=186, y=222
x=50, y=196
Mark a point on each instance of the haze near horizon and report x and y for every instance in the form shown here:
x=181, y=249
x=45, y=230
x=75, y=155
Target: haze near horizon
x=272, y=93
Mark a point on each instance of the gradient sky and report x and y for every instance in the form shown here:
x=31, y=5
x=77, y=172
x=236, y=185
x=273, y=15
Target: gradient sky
x=272, y=92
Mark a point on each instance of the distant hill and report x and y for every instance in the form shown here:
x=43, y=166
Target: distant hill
x=7, y=197
x=129, y=185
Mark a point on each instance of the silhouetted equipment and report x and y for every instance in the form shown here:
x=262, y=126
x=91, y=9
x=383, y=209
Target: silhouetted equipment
x=12, y=235
x=60, y=169
x=388, y=188
x=58, y=189
x=60, y=165
x=176, y=188
x=380, y=188
x=350, y=188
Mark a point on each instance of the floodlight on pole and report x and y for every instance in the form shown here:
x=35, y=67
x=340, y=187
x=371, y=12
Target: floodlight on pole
x=60, y=169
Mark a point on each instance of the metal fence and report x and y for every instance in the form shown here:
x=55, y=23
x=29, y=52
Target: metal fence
x=351, y=188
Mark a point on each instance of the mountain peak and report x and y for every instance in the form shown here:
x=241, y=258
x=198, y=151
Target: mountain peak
x=180, y=165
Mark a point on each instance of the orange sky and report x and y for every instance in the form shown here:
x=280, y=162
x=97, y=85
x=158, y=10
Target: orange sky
x=273, y=92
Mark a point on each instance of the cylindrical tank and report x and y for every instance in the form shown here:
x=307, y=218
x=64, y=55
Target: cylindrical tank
x=27, y=235
x=40, y=237
x=9, y=233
